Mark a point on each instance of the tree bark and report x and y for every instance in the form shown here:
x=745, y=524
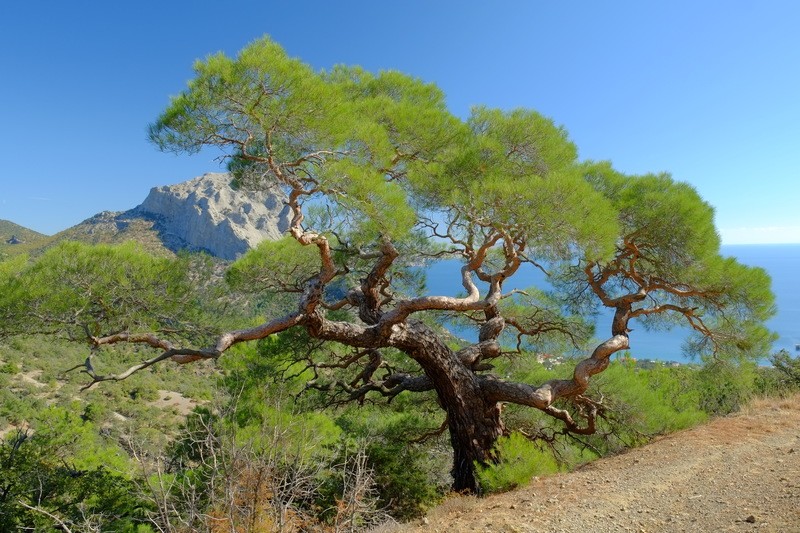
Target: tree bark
x=474, y=430
x=473, y=421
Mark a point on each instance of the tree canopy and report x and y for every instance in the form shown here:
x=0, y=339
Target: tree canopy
x=382, y=179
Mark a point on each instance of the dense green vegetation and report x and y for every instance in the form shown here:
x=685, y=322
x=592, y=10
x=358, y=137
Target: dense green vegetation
x=125, y=457
x=327, y=393
x=255, y=454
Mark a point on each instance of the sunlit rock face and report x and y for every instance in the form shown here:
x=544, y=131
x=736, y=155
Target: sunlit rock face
x=207, y=213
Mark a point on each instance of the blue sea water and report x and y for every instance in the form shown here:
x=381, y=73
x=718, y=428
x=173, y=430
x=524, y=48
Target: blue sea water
x=781, y=261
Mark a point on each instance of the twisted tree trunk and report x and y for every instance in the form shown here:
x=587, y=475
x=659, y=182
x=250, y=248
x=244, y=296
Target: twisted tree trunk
x=473, y=421
x=474, y=429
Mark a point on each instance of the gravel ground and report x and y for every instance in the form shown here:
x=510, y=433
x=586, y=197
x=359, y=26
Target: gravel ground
x=740, y=473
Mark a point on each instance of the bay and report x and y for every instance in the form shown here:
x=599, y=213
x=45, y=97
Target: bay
x=781, y=261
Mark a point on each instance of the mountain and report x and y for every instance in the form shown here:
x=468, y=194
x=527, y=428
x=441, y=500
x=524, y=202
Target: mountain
x=209, y=214
x=203, y=214
x=16, y=239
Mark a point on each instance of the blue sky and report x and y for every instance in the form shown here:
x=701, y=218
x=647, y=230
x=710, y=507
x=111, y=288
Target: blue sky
x=708, y=91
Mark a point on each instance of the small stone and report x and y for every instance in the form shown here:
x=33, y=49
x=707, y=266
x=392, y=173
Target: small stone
x=425, y=520
x=791, y=450
x=750, y=519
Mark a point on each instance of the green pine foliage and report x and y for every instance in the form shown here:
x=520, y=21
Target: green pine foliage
x=411, y=471
x=787, y=367
x=76, y=287
x=63, y=467
x=652, y=402
x=273, y=266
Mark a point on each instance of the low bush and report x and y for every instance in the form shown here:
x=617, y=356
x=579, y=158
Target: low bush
x=725, y=386
x=519, y=461
x=10, y=368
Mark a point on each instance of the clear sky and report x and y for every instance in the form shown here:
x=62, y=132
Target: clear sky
x=706, y=90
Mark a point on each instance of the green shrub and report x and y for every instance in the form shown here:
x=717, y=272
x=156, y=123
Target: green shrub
x=411, y=476
x=66, y=469
x=725, y=386
x=771, y=382
x=788, y=368
x=520, y=460
x=10, y=368
x=94, y=412
x=650, y=402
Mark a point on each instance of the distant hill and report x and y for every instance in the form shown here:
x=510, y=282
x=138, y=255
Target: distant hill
x=16, y=239
x=114, y=228
x=203, y=214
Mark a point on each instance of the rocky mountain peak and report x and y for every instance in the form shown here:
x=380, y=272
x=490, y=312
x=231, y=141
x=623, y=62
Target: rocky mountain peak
x=207, y=213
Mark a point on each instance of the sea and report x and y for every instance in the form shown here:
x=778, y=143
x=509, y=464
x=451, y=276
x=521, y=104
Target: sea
x=781, y=261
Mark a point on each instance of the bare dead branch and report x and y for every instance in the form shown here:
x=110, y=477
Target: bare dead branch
x=431, y=434
x=38, y=509
x=181, y=356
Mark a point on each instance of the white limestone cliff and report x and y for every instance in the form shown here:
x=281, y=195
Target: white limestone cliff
x=206, y=213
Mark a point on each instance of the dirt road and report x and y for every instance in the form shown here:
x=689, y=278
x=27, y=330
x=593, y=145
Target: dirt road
x=740, y=473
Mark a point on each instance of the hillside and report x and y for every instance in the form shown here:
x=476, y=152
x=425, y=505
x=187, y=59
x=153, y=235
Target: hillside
x=32, y=378
x=115, y=228
x=16, y=239
x=739, y=473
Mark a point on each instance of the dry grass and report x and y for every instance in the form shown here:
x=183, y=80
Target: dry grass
x=759, y=405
